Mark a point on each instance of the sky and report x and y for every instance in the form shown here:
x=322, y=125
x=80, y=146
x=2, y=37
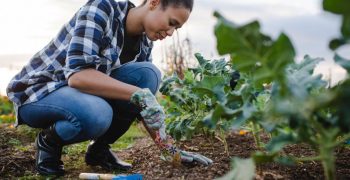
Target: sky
x=27, y=26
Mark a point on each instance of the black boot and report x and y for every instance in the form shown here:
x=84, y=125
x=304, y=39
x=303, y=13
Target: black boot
x=48, y=155
x=99, y=154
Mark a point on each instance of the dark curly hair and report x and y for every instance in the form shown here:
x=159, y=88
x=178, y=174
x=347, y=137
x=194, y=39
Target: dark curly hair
x=177, y=3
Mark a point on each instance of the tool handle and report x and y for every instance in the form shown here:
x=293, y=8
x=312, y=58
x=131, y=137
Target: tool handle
x=96, y=176
x=110, y=176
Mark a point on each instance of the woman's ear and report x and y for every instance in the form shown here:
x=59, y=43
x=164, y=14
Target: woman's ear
x=153, y=4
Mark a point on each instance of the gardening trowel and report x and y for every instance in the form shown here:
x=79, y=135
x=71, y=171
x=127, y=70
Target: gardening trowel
x=110, y=176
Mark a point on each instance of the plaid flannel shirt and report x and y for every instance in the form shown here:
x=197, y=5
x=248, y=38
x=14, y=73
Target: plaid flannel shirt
x=93, y=38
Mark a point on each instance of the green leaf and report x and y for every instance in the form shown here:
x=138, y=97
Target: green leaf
x=341, y=103
x=345, y=27
x=280, y=54
x=221, y=112
x=229, y=37
x=274, y=61
x=256, y=39
x=244, y=61
x=300, y=81
x=203, y=92
x=260, y=158
x=242, y=169
x=216, y=67
x=341, y=7
x=277, y=143
x=202, y=62
x=176, y=96
x=337, y=6
x=285, y=160
x=211, y=82
x=336, y=43
x=167, y=83
x=211, y=85
x=308, y=64
x=248, y=110
x=188, y=77
x=345, y=63
x=262, y=101
x=253, y=52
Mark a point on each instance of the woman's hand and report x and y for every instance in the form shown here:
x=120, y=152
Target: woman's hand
x=190, y=157
x=145, y=99
x=151, y=112
x=172, y=154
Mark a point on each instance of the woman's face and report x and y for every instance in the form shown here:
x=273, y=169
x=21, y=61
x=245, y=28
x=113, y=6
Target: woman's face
x=160, y=23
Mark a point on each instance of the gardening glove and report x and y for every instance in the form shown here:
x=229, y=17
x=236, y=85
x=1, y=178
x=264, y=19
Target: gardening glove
x=151, y=112
x=190, y=157
x=172, y=154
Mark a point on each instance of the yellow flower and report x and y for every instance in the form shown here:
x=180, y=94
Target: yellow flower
x=243, y=132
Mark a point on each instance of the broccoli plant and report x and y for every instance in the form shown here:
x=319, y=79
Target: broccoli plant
x=300, y=109
x=188, y=100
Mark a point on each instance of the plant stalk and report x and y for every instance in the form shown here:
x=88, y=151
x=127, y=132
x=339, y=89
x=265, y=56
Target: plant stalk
x=326, y=149
x=223, y=140
x=256, y=134
x=328, y=162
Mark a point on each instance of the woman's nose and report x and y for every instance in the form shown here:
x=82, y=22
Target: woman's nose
x=170, y=31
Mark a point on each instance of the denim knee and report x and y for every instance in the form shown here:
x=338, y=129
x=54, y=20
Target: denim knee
x=140, y=74
x=99, y=121
x=149, y=76
x=89, y=123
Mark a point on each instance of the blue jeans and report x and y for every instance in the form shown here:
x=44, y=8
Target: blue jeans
x=79, y=116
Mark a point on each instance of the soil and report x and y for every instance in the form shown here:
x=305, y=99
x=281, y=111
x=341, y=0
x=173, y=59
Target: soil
x=144, y=156
x=14, y=162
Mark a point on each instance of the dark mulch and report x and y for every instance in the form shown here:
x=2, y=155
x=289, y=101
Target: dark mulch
x=144, y=155
x=15, y=162
x=146, y=160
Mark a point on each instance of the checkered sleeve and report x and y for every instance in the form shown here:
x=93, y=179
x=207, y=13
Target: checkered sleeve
x=91, y=22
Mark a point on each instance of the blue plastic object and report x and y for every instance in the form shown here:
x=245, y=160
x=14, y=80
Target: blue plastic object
x=128, y=177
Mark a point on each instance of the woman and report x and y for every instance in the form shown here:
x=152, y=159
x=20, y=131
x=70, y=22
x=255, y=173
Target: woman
x=93, y=79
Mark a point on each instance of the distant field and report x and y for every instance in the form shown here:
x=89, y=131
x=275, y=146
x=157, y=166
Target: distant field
x=13, y=61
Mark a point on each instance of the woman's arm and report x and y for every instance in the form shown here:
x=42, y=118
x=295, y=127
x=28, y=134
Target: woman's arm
x=92, y=21
x=97, y=83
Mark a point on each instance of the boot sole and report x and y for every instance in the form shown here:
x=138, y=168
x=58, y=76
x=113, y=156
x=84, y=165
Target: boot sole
x=49, y=174
x=92, y=162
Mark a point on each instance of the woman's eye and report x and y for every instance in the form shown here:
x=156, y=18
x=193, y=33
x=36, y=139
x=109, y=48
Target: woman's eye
x=172, y=23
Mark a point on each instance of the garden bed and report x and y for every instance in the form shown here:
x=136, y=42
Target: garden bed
x=18, y=161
